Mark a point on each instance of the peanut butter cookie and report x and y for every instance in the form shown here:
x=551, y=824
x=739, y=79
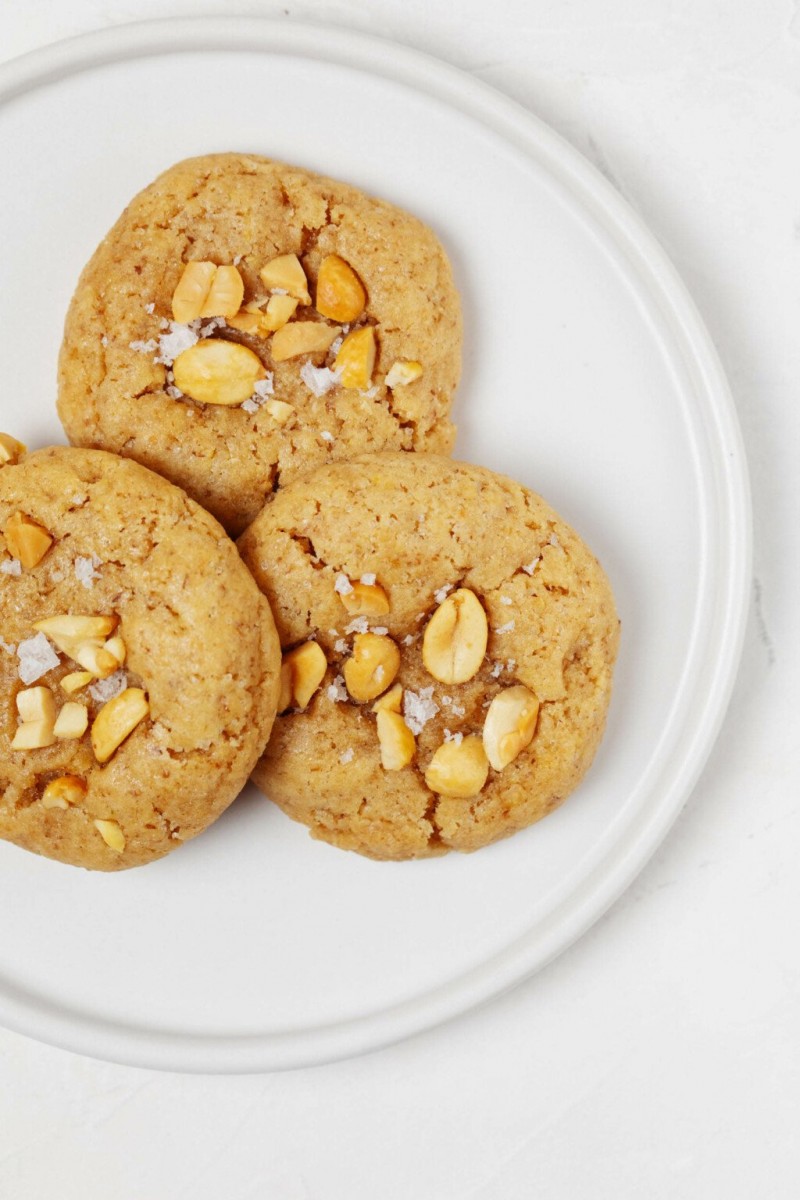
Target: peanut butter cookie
x=139, y=664
x=448, y=651
x=246, y=321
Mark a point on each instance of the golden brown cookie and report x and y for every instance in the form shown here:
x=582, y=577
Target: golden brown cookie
x=448, y=652
x=327, y=321
x=139, y=664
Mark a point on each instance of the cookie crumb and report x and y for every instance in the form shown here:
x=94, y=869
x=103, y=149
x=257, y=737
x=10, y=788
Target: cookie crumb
x=36, y=657
x=86, y=569
x=419, y=708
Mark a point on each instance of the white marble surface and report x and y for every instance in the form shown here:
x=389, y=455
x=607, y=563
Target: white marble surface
x=660, y=1057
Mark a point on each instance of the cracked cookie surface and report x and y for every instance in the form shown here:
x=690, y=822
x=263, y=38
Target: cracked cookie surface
x=422, y=528
x=245, y=210
x=200, y=644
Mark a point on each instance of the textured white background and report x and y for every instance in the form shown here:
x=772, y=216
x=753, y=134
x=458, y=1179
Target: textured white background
x=660, y=1057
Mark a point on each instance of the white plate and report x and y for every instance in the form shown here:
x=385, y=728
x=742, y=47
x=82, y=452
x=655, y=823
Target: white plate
x=588, y=375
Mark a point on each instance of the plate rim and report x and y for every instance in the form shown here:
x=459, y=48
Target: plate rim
x=604, y=884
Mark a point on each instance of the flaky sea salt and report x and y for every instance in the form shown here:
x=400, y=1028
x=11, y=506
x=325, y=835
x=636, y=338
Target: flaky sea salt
x=342, y=585
x=369, y=578
x=457, y=738
x=419, y=708
x=264, y=387
x=496, y=670
x=347, y=756
x=238, y=259
x=530, y=567
x=250, y=405
x=381, y=630
x=337, y=692
x=327, y=436
x=442, y=592
x=171, y=344
x=458, y=710
x=553, y=541
x=9, y=647
x=104, y=340
x=319, y=380
x=36, y=657
x=86, y=569
x=150, y=308
x=340, y=646
x=107, y=689
x=509, y=625
x=357, y=625
x=506, y=600
x=335, y=346
x=11, y=566
x=148, y=347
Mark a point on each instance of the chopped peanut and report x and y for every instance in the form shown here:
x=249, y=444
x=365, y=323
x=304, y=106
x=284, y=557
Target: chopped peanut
x=72, y=721
x=116, y=720
x=111, y=834
x=10, y=450
x=302, y=337
x=340, y=293
x=225, y=295
x=27, y=540
x=287, y=274
x=365, y=599
x=191, y=291
x=401, y=374
x=308, y=665
x=64, y=791
x=392, y=701
x=279, y=310
x=279, y=410
x=356, y=358
x=75, y=681
x=396, y=741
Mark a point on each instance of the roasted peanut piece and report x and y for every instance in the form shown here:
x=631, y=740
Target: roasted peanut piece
x=340, y=293
x=372, y=667
x=285, y=697
x=111, y=834
x=279, y=310
x=64, y=791
x=26, y=540
x=279, y=410
x=214, y=371
x=116, y=720
x=117, y=647
x=458, y=769
x=308, y=665
x=66, y=630
x=402, y=373
x=301, y=337
x=94, y=658
x=75, y=681
x=191, y=291
x=72, y=721
x=365, y=599
x=225, y=295
x=509, y=725
x=10, y=450
x=36, y=704
x=395, y=739
x=455, y=638
x=246, y=322
x=356, y=358
x=287, y=274
x=391, y=702
x=33, y=735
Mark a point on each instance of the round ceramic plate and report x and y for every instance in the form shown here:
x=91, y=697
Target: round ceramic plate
x=587, y=375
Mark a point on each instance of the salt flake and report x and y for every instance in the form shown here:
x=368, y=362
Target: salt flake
x=419, y=708
x=337, y=692
x=170, y=345
x=530, y=567
x=343, y=585
x=369, y=578
x=441, y=594
x=509, y=625
x=357, y=625
x=319, y=380
x=36, y=657
x=347, y=756
x=11, y=566
x=107, y=689
x=86, y=569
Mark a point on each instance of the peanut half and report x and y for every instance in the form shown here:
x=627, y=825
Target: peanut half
x=111, y=834
x=64, y=791
x=372, y=667
x=206, y=290
x=509, y=725
x=37, y=712
x=458, y=769
x=301, y=337
x=214, y=371
x=72, y=722
x=455, y=638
